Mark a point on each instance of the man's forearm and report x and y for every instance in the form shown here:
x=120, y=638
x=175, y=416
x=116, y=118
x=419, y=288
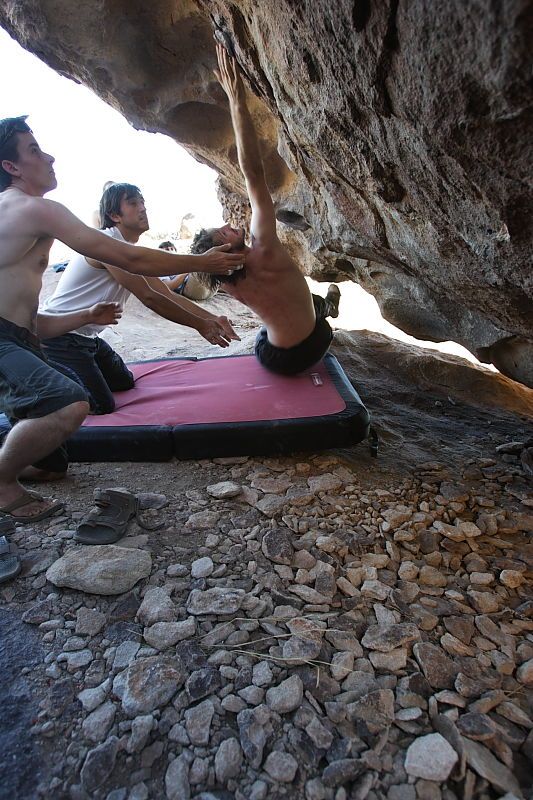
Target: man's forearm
x=174, y=307
x=155, y=263
x=47, y=326
x=248, y=151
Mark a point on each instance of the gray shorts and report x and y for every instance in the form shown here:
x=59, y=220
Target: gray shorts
x=30, y=387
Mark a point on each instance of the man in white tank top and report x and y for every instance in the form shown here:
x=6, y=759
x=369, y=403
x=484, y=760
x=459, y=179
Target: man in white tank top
x=101, y=370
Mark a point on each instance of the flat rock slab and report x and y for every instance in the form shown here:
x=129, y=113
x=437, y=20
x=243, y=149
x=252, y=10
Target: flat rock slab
x=100, y=569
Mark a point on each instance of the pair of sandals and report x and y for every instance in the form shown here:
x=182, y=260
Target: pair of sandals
x=104, y=524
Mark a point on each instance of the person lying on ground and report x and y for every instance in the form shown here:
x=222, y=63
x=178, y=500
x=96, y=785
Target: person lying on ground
x=296, y=334
x=188, y=284
x=46, y=406
x=101, y=370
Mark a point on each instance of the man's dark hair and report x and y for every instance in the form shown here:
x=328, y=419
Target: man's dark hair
x=202, y=242
x=110, y=202
x=168, y=245
x=9, y=128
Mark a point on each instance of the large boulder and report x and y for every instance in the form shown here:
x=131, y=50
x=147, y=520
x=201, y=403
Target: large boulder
x=395, y=138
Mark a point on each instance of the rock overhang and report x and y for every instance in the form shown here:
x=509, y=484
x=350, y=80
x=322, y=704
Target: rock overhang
x=395, y=138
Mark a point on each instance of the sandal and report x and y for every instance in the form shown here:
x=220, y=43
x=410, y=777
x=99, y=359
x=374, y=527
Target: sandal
x=24, y=500
x=10, y=563
x=107, y=523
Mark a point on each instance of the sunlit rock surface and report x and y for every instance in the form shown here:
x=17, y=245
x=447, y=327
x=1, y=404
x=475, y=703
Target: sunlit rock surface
x=395, y=138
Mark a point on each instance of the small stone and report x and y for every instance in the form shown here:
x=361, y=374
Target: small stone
x=277, y=546
x=259, y=791
x=430, y=757
x=408, y=571
x=389, y=662
x=228, y=760
x=233, y=704
x=511, y=578
x=328, y=482
x=202, y=567
x=309, y=595
x=402, y=791
x=198, y=722
x=203, y=682
x=125, y=653
x=319, y=735
x=397, y=516
x=524, y=673
x=439, y=670
x=375, y=590
x=484, y=602
x=156, y=607
x=476, y=726
x=315, y=790
x=217, y=600
x=287, y=696
x=163, y=635
x=388, y=637
x=177, y=784
x=482, y=578
x=427, y=790
x=515, y=714
x=203, y=520
x=344, y=641
x=341, y=771
x=456, y=647
x=89, y=622
x=254, y=729
x=92, y=698
x=76, y=660
x=375, y=708
x=341, y=665
x=99, y=763
x=96, y=726
x=281, y=766
x=271, y=505
x=430, y=576
x=177, y=570
x=140, y=730
x=150, y=683
x=262, y=674
x=224, y=490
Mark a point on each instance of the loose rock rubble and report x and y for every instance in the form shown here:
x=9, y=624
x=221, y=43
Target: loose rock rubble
x=291, y=629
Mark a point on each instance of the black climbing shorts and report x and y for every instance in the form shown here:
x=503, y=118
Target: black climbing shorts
x=30, y=387
x=292, y=360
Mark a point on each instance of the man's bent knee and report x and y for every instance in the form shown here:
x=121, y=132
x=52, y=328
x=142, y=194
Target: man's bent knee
x=70, y=417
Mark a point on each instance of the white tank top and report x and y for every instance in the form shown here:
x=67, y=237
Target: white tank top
x=82, y=286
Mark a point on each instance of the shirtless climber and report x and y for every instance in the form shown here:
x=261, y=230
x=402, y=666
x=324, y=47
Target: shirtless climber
x=296, y=334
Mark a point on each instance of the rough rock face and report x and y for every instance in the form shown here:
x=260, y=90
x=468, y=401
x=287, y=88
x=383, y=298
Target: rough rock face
x=394, y=136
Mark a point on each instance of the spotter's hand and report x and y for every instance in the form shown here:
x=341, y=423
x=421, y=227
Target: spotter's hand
x=218, y=330
x=105, y=313
x=219, y=261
